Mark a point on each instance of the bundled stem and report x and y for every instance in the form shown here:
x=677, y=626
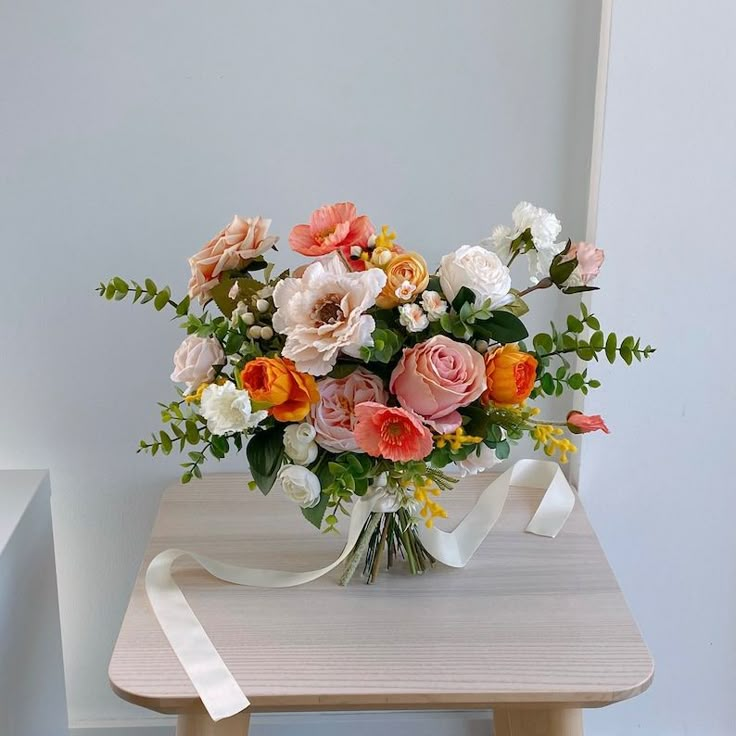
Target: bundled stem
x=390, y=534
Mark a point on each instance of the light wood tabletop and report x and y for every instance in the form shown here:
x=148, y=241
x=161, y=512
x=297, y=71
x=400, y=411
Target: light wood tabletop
x=534, y=628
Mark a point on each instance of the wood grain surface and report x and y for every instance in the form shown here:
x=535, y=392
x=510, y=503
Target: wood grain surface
x=530, y=620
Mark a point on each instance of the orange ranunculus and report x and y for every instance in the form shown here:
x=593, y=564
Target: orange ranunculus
x=276, y=384
x=510, y=375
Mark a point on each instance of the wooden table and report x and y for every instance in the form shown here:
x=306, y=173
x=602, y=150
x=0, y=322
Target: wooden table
x=534, y=628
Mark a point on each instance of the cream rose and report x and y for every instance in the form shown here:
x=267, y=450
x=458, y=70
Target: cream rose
x=478, y=269
x=195, y=360
x=299, y=443
x=244, y=239
x=300, y=485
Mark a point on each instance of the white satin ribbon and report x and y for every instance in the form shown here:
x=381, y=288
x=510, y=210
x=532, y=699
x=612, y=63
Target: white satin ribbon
x=219, y=691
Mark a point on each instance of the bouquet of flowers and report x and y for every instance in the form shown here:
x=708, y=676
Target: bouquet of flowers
x=364, y=372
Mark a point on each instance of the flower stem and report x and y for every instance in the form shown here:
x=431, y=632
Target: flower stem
x=351, y=565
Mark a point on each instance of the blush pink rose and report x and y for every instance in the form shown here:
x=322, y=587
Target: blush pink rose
x=244, y=239
x=437, y=377
x=331, y=227
x=333, y=417
x=391, y=433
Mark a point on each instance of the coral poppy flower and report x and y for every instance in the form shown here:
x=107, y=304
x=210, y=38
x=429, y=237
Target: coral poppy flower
x=391, y=433
x=331, y=227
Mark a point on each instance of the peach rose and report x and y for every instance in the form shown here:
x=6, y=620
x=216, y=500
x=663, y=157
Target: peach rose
x=241, y=241
x=406, y=278
x=333, y=417
x=196, y=361
x=331, y=227
x=437, y=377
x=590, y=260
x=510, y=375
x=276, y=384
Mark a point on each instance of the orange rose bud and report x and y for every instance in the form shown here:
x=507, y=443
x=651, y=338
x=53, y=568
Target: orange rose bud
x=510, y=375
x=276, y=384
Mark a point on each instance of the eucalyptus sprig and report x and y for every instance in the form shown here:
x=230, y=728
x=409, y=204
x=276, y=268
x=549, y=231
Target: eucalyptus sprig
x=118, y=289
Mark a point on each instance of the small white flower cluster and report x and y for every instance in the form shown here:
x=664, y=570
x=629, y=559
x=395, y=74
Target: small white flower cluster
x=545, y=229
x=416, y=317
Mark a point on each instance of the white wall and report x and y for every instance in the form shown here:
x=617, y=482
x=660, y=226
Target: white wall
x=660, y=489
x=32, y=693
x=132, y=130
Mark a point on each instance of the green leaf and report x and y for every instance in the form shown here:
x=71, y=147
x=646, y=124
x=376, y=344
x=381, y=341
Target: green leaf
x=585, y=353
x=316, y=513
x=183, y=307
x=611, y=347
x=574, y=324
x=561, y=270
x=247, y=288
x=592, y=322
x=503, y=327
x=548, y=384
x=626, y=355
x=597, y=340
x=151, y=287
x=165, y=442
x=575, y=381
x=192, y=432
x=265, y=453
x=503, y=449
x=543, y=343
x=464, y=296
x=162, y=298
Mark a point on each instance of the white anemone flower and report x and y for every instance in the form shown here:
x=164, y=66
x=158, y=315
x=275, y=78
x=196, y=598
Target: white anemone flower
x=323, y=313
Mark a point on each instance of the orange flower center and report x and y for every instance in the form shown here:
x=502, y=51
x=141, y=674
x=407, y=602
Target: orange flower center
x=524, y=374
x=392, y=431
x=321, y=237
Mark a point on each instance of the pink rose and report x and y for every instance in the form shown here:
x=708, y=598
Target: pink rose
x=331, y=227
x=241, y=241
x=333, y=417
x=437, y=377
x=590, y=260
x=195, y=361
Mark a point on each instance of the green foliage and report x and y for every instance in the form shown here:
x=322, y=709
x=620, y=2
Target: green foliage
x=386, y=343
x=247, y=289
x=503, y=327
x=265, y=453
x=118, y=289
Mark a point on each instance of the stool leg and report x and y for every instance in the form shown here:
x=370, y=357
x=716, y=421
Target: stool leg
x=200, y=724
x=532, y=722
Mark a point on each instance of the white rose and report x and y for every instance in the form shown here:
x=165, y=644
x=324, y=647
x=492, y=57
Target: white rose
x=299, y=443
x=478, y=269
x=300, y=485
x=476, y=463
x=195, y=360
x=227, y=409
x=434, y=305
x=413, y=318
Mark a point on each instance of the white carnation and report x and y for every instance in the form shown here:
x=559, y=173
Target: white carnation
x=479, y=270
x=227, y=409
x=300, y=485
x=413, y=318
x=299, y=443
x=544, y=227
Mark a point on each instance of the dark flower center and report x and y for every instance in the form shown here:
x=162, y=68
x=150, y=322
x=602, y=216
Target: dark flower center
x=327, y=311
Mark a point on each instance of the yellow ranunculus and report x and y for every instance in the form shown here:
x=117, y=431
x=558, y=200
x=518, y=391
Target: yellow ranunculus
x=404, y=270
